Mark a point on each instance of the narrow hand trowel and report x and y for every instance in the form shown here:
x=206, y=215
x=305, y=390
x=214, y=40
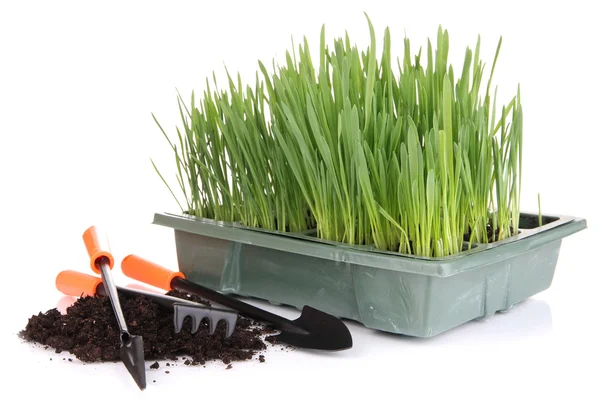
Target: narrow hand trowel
x=313, y=329
x=79, y=284
x=132, y=347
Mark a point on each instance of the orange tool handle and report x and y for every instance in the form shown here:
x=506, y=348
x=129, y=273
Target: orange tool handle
x=148, y=272
x=97, y=248
x=74, y=283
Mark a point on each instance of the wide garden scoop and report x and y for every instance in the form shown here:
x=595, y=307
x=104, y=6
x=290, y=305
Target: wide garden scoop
x=313, y=329
x=132, y=347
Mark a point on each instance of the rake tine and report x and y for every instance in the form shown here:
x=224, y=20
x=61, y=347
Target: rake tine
x=198, y=313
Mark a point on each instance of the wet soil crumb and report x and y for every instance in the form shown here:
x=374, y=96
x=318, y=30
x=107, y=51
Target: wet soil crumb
x=229, y=366
x=167, y=372
x=261, y=358
x=156, y=365
x=89, y=331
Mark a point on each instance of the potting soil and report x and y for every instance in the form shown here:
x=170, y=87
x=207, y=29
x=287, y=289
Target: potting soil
x=89, y=331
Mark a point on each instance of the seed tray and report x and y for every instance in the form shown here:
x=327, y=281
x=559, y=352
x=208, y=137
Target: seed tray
x=387, y=291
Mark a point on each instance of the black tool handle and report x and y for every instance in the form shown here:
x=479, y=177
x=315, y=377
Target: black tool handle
x=164, y=301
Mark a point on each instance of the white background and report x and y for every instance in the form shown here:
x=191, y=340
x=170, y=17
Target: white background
x=78, y=82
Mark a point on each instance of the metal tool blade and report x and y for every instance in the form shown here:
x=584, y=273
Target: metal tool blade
x=132, y=355
x=317, y=330
x=132, y=347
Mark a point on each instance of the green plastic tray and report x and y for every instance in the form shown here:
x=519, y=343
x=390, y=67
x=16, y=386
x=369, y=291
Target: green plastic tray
x=386, y=291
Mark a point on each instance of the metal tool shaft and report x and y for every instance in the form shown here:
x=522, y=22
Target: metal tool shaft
x=111, y=290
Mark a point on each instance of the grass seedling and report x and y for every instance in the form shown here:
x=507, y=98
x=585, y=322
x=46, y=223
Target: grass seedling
x=407, y=156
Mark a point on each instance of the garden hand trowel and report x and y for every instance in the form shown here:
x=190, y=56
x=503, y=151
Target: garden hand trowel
x=132, y=347
x=79, y=284
x=313, y=329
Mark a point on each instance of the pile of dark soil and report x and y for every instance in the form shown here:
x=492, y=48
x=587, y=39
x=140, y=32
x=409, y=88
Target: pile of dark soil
x=89, y=331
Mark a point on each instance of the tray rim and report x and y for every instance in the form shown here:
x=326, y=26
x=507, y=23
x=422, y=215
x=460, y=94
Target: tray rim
x=302, y=244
